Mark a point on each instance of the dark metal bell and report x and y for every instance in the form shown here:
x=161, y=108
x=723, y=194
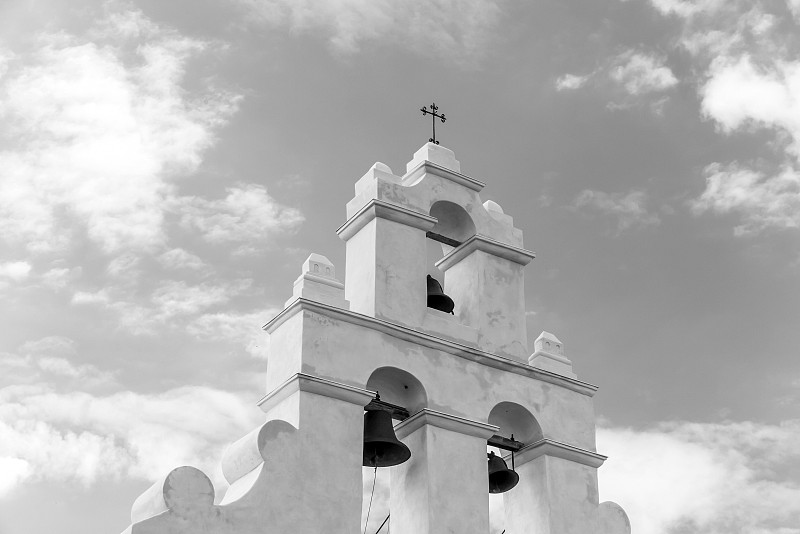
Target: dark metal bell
x=436, y=297
x=381, y=446
x=501, y=478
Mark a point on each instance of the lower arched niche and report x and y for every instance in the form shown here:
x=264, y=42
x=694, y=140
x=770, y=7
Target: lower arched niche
x=513, y=420
x=399, y=387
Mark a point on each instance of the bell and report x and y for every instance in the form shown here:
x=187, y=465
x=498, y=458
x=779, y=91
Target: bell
x=501, y=478
x=436, y=297
x=381, y=446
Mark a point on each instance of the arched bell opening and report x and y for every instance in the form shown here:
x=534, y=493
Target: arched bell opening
x=453, y=227
x=453, y=222
x=401, y=394
x=515, y=420
x=517, y=428
x=399, y=388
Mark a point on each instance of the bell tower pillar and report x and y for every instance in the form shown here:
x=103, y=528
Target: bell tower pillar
x=443, y=487
x=385, y=278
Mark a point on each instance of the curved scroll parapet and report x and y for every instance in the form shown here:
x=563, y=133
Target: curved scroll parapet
x=613, y=519
x=244, y=459
x=247, y=453
x=185, y=491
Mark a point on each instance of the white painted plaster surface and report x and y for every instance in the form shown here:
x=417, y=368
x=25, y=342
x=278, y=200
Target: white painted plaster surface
x=549, y=355
x=613, y=519
x=339, y=350
x=318, y=282
x=554, y=496
x=443, y=488
x=301, y=470
x=435, y=154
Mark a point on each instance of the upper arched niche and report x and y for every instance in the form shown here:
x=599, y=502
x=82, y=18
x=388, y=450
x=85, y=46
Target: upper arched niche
x=399, y=387
x=453, y=221
x=514, y=419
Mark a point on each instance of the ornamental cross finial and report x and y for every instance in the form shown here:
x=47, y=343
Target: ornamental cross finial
x=434, y=116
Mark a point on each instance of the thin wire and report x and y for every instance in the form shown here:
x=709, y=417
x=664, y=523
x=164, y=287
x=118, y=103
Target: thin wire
x=384, y=522
x=374, y=478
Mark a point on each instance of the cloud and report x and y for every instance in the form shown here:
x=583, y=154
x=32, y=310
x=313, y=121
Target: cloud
x=794, y=6
x=724, y=478
x=241, y=328
x=15, y=270
x=77, y=436
x=171, y=305
x=246, y=215
x=748, y=80
x=738, y=94
x=459, y=30
x=178, y=258
x=12, y=472
x=52, y=359
x=641, y=74
x=763, y=201
x=98, y=155
x=630, y=78
x=630, y=208
x=570, y=82
x=687, y=8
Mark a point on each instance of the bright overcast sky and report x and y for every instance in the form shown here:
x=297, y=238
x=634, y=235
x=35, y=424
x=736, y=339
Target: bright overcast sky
x=166, y=167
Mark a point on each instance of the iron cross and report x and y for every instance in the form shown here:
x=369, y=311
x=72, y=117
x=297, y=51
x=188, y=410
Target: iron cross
x=434, y=115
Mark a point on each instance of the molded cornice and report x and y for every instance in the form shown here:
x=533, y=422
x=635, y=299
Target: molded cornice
x=488, y=245
x=384, y=210
x=428, y=167
x=315, y=384
x=427, y=340
x=551, y=447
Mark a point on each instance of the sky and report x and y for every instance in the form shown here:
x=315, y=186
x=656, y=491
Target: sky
x=166, y=168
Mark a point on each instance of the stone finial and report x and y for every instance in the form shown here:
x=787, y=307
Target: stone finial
x=437, y=154
x=318, y=282
x=319, y=265
x=549, y=355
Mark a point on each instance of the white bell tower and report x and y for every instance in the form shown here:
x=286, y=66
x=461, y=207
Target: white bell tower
x=463, y=379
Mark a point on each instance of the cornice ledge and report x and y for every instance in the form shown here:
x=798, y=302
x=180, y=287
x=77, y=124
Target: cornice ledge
x=447, y=421
x=318, y=385
x=488, y=245
x=385, y=210
x=431, y=341
x=443, y=172
x=557, y=449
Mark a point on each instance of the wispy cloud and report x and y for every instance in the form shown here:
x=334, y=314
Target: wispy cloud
x=246, y=214
x=630, y=209
x=749, y=81
x=640, y=73
x=460, y=30
x=14, y=270
x=236, y=327
x=732, y=477
x=99, y=152
x=570, y=82
x=763, y=201
x=632, y=78
x=83, y=437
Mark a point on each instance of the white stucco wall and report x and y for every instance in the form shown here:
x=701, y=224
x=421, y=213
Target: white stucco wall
x=334, y=342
